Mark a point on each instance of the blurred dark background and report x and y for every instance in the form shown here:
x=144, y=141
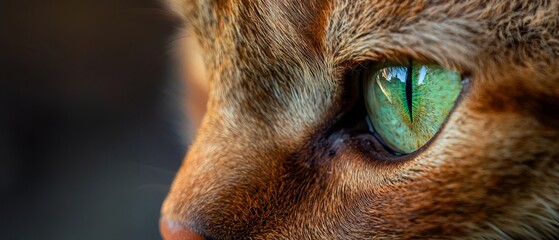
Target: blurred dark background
x=89, y=118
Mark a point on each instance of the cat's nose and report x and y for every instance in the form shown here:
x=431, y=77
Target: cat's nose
x=174, y=231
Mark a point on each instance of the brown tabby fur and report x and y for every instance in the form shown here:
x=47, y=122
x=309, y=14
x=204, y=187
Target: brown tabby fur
x=265, y=163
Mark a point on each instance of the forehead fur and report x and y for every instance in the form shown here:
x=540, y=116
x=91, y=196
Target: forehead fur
x=484, y=37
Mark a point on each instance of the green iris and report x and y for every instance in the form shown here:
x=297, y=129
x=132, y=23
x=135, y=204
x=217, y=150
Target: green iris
x=408, y=104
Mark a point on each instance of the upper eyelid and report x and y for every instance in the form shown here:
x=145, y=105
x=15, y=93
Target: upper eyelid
x=377, y=65
x=447, y=45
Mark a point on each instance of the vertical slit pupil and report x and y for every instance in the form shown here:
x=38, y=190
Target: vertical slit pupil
x=409, y=89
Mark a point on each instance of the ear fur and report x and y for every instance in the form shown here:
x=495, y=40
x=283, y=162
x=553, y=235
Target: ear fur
x=180, y=8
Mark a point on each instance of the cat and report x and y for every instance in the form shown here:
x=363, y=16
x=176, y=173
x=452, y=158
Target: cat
x=285, y=150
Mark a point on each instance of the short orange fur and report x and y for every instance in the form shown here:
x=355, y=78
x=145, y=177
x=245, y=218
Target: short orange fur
x=276, y=76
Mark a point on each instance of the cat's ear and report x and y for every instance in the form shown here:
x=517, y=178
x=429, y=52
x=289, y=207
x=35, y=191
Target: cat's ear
x=195, y=78
x=180, y=8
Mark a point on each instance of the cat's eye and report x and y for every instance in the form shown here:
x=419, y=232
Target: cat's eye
x=407, y=104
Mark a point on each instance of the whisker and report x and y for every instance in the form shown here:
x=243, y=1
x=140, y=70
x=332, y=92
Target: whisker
x=157, y=169
x=151, y=11
x=155, y=186
x=497, y=229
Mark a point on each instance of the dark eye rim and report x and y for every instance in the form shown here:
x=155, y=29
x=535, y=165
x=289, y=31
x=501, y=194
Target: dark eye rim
x=391, y=156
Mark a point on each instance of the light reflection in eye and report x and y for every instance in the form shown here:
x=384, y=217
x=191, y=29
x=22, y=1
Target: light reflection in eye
x=399, y=73
x=422, y=73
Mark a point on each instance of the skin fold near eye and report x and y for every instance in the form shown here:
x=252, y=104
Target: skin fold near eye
x=408, y=104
